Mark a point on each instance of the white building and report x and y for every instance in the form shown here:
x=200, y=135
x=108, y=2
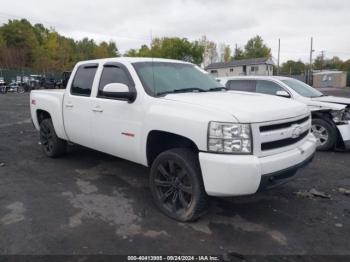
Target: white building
x=256, y=66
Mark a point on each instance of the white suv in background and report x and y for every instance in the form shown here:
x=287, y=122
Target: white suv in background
x=330, y=115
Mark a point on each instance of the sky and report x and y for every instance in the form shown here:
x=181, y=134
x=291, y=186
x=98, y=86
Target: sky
x=131, y=23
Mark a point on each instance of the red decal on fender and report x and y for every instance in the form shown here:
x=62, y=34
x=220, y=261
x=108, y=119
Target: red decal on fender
x=128, y=134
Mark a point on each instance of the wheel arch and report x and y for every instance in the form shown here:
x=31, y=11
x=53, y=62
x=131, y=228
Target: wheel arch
x=42, y=114
x=159, y=141
x=326, y=116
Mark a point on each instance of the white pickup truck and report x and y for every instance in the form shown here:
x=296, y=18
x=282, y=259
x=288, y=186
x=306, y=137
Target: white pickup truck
x=330, y=115
x=197, y=138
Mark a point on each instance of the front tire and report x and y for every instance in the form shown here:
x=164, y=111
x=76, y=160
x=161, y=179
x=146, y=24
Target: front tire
x=176, y=185
x=325, y=134
x=52, y=145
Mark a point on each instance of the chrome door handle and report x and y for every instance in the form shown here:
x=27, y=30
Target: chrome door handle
x=97, y=109
x=70, y=105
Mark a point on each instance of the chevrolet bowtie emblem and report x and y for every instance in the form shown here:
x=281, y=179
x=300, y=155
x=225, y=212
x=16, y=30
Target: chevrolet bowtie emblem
x=296, y=132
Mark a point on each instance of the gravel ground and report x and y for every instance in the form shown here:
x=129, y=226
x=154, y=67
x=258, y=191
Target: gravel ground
x=92, y=203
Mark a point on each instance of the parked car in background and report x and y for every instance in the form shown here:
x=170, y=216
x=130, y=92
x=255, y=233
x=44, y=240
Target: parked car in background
x=15, y=87
x=2, y=85
x=48, y=83
x=35, y=81
x=330, y=115
x=65, y=78
x=197, y=138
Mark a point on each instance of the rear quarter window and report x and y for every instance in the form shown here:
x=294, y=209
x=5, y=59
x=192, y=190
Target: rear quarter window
x=241, y=85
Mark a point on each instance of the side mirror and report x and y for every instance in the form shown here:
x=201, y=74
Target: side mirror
x=119, y=91
x=282, y=93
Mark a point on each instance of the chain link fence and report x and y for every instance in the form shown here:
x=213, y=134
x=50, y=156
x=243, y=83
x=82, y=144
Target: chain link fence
x=20, y=75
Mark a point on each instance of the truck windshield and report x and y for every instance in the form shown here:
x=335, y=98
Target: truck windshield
x=302, y=88
x=160, y=78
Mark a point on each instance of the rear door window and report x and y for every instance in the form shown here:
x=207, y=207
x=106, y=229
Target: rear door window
x=83, y=80
x=241, y=85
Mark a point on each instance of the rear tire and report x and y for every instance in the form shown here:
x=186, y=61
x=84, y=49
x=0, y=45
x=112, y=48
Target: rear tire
x=176, y=185
x=325, y=134
x=52, y=145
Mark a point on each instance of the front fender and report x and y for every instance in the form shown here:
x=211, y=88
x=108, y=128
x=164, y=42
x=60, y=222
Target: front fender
x=182, y=119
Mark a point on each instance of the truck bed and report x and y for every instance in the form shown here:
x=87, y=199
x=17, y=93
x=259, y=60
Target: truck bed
x=50, y=101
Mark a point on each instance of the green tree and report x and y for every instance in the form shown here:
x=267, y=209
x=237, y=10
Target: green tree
x=346, y=65
x=334, y=63
x=239, y=54
x=20, y=42
x=318, y=63
x=256, y=48
x=197, y=52
x=131, y=53
x=86, y=49
x=171, y=47
x=227, y=54
x=113, y=49
x=145, y=51
x=293, y=67
x=2, y=42
x=41, y=33
x=102, y=51
x=37, y=47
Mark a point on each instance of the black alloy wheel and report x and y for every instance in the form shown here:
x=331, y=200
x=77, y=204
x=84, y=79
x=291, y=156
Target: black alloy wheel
x=177, y=186
x=52, y=145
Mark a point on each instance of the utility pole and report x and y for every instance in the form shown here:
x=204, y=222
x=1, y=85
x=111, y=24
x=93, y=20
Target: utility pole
x=278, y=59
x=310, y=66
x=236, y=49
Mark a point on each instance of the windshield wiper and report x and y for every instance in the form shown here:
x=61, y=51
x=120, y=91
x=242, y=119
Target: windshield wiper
x=218, y=88
x=317, y=96
x=182, y=90
x=191, y=89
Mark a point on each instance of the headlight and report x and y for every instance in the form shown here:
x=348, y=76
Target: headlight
x=229, y=138
x=340, y=116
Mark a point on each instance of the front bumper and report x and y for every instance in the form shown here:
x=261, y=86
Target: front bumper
x=233, y=175
x=283, y=176
x=344, y=131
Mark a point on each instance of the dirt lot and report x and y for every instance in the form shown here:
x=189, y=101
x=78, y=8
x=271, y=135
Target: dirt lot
x=92, y=203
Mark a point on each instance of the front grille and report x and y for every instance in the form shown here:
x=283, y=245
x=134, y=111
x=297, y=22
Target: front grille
x=283, y=125
x=283, y=142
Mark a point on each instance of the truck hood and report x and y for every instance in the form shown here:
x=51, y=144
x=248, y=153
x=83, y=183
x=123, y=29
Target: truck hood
x=245, y=107
x=326, y=103
x=333, y=99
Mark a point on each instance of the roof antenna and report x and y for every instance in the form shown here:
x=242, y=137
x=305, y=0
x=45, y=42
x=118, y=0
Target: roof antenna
x=154, y=83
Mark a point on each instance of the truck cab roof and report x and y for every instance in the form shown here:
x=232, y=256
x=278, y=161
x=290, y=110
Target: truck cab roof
x=132, y=60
